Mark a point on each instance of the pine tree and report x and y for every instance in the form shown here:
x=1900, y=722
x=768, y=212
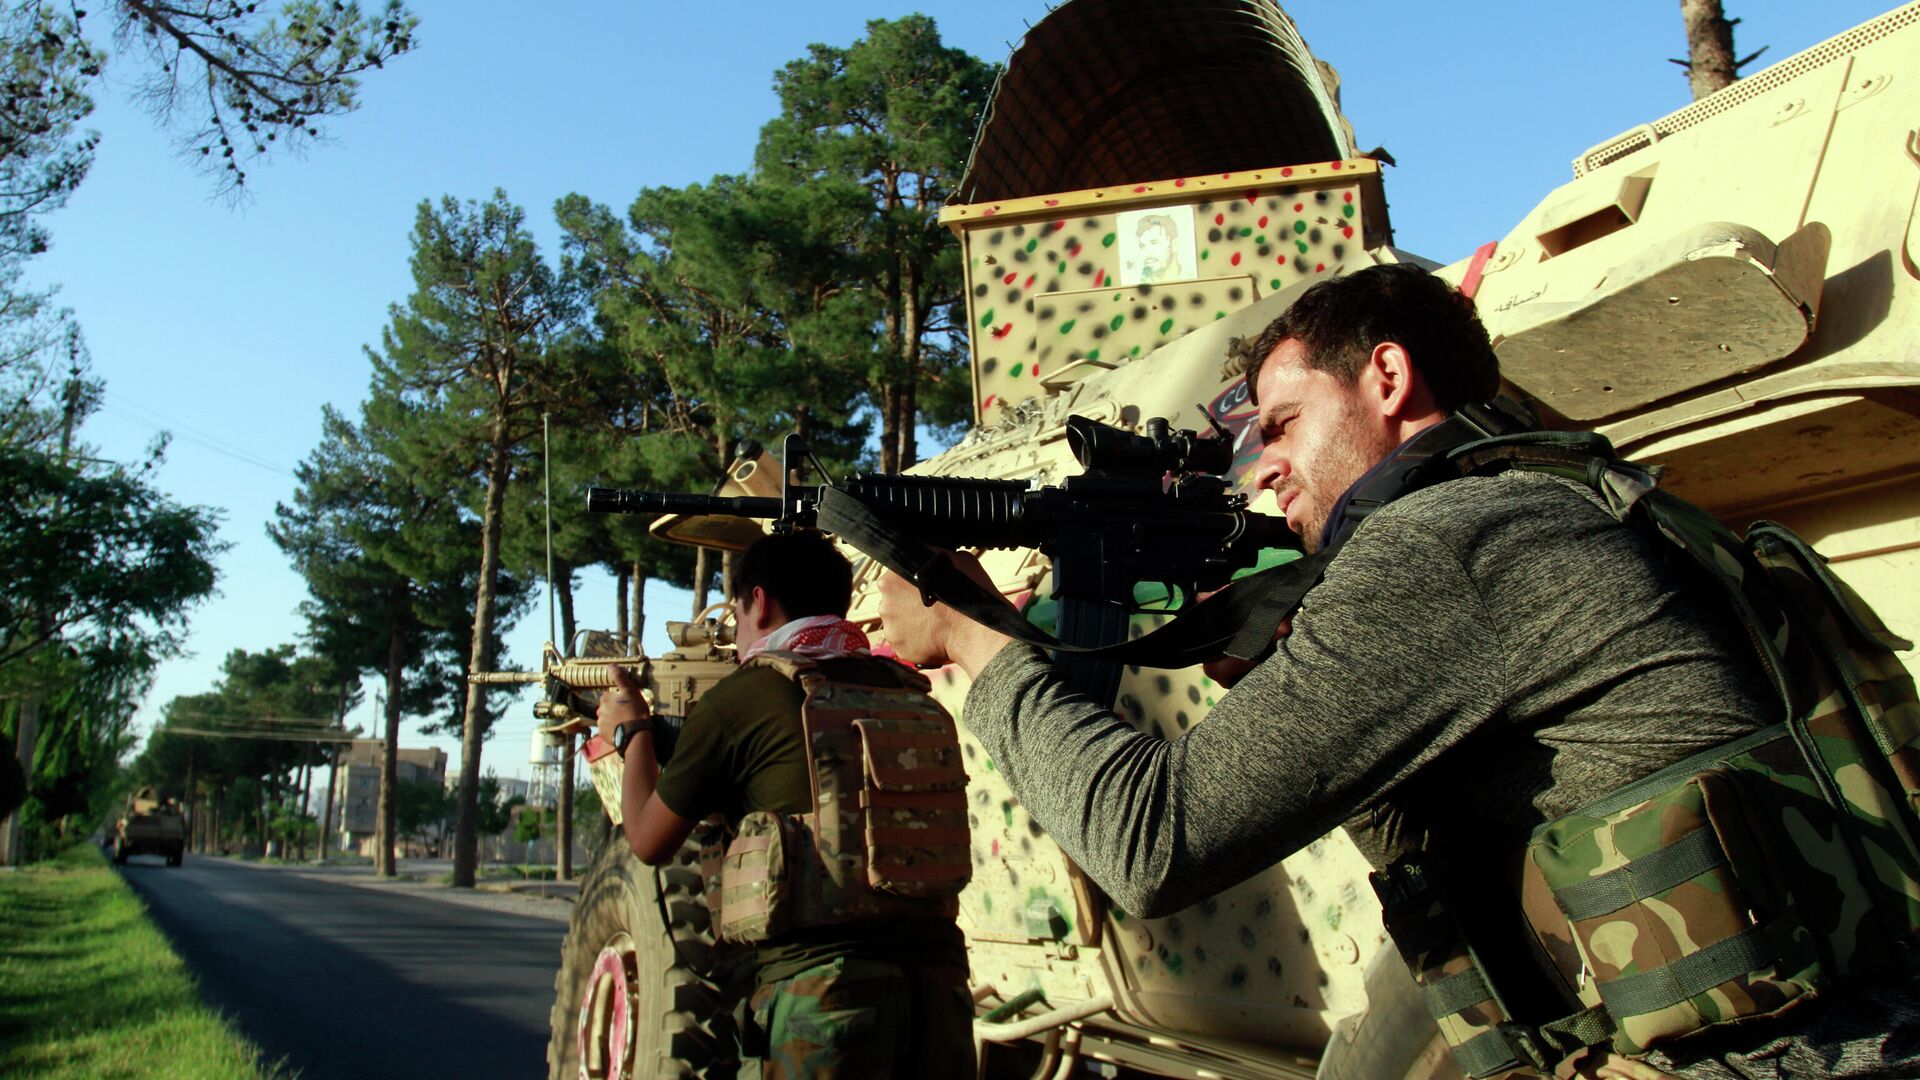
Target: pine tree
x=885, y=124
x=466, y=368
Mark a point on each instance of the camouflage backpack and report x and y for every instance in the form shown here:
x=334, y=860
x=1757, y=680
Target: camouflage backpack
x=887, y=835
x=1730, y=887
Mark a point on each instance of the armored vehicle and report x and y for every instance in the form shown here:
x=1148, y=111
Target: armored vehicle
x=1729, y=291
x=151, y=826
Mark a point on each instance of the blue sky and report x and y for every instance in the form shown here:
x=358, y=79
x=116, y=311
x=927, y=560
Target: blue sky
x=232, y=327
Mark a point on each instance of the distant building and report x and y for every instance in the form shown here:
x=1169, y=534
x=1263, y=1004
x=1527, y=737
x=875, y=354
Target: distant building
x=356, y=793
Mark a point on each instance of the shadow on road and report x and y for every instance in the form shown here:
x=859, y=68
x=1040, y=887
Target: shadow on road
x=348, y=982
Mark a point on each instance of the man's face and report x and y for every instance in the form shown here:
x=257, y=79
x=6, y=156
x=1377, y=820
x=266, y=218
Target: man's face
x=1156, y=251
x=1319, y=437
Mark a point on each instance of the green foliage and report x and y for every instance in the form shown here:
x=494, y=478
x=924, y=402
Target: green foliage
x=93, y=989
x=533, y=822
x=884, y=125
x=84, y=556
x=248, y=782
x=98, y=570
x=47, y=66
x=269, y=82
x=294, y=828
x=389, y=566
x=263, y=85
x=421, y=804
x=495, y=813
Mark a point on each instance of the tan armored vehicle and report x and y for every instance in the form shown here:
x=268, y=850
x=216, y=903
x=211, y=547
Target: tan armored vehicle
x=150, y=826
x=1730, y=291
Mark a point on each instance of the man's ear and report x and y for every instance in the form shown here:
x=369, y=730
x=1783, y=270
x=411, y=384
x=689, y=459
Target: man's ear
x=1393, y=383
x=768, y=613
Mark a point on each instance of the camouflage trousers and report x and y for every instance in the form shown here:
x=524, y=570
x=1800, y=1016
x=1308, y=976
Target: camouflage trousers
x=865, y=1018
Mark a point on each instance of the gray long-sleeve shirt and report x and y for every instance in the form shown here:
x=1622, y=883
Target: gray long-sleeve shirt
x=1575, y=653
x=1497, y=649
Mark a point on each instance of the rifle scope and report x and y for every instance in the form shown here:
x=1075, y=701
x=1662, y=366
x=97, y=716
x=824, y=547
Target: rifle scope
x=1107, y=449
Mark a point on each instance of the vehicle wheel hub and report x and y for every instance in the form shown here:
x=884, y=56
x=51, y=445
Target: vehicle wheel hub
x=607, y=1013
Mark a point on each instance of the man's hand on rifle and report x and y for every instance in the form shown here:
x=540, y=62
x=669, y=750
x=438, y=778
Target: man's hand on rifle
x=929, y=635
x=1228, y=670
x=623, y=706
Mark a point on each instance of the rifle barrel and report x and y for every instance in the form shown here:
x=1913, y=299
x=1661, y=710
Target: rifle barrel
x=624, y=501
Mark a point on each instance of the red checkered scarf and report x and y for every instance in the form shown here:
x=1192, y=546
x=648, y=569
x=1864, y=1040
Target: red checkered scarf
x=816, y=637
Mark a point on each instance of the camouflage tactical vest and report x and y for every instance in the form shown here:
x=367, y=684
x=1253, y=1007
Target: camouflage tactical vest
x=887, y=835
x=1734, y=886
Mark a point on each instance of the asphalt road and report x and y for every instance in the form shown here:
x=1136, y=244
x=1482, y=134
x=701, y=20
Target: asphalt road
x=345, y=980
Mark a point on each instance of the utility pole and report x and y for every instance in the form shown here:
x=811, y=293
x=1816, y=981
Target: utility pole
x=563, y=813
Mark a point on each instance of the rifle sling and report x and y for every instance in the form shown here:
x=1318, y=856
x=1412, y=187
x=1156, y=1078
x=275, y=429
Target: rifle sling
x=1237, y=621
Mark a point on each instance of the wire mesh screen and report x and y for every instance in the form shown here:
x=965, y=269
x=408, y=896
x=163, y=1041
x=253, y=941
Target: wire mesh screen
x=1105, y=92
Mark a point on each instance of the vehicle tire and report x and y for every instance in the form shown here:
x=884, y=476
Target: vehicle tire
x=640, y=949
x=1394, y=1038
x=178, y=855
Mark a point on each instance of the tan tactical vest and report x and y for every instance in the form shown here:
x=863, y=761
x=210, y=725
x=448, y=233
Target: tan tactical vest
x=887, y=836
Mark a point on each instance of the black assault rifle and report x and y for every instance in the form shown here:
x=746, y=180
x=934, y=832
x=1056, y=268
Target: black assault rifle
x=1152, y=508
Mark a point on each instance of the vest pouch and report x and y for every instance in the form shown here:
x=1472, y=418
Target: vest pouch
x=915, y=799
x=754, y=880
x=1677, y=904
x=1855, y=647
x=1472, y=1019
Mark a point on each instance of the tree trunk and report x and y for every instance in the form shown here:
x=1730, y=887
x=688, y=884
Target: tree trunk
x=333, y=769
x=306, y=790
x=637, y=581
x=474, y=728
x=564, y=825
x=193, y=813
x=702, y=571
x=909, y=364
x=620, y=602
x=25, y=735
x=326, y=818
x=563, y=590
x=1710, y=60
x=890, y=427
x=387, y=818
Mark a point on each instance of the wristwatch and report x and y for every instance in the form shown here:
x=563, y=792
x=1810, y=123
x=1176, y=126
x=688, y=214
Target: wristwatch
x=624, y=733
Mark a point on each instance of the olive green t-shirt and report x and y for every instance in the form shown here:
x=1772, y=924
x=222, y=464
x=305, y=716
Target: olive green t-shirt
x=743, y=750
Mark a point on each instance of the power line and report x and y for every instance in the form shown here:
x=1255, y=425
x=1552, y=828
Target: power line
x=158, y=421
x=282, y=736
x=322, y=721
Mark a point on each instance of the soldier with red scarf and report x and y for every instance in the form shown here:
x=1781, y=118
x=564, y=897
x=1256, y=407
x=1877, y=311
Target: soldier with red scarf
x=867, y=986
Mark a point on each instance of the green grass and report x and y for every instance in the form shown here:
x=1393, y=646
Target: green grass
x=89, y=988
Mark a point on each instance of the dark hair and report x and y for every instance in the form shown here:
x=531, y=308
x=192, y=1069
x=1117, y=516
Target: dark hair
x=1163, y=222
x=1342, y=319
x=800, y=570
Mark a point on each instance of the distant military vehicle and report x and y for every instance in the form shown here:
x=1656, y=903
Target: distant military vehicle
x=1729, y=291
x=151, y=825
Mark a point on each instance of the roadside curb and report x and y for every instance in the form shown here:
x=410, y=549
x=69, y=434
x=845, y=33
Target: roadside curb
x=515, y=898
